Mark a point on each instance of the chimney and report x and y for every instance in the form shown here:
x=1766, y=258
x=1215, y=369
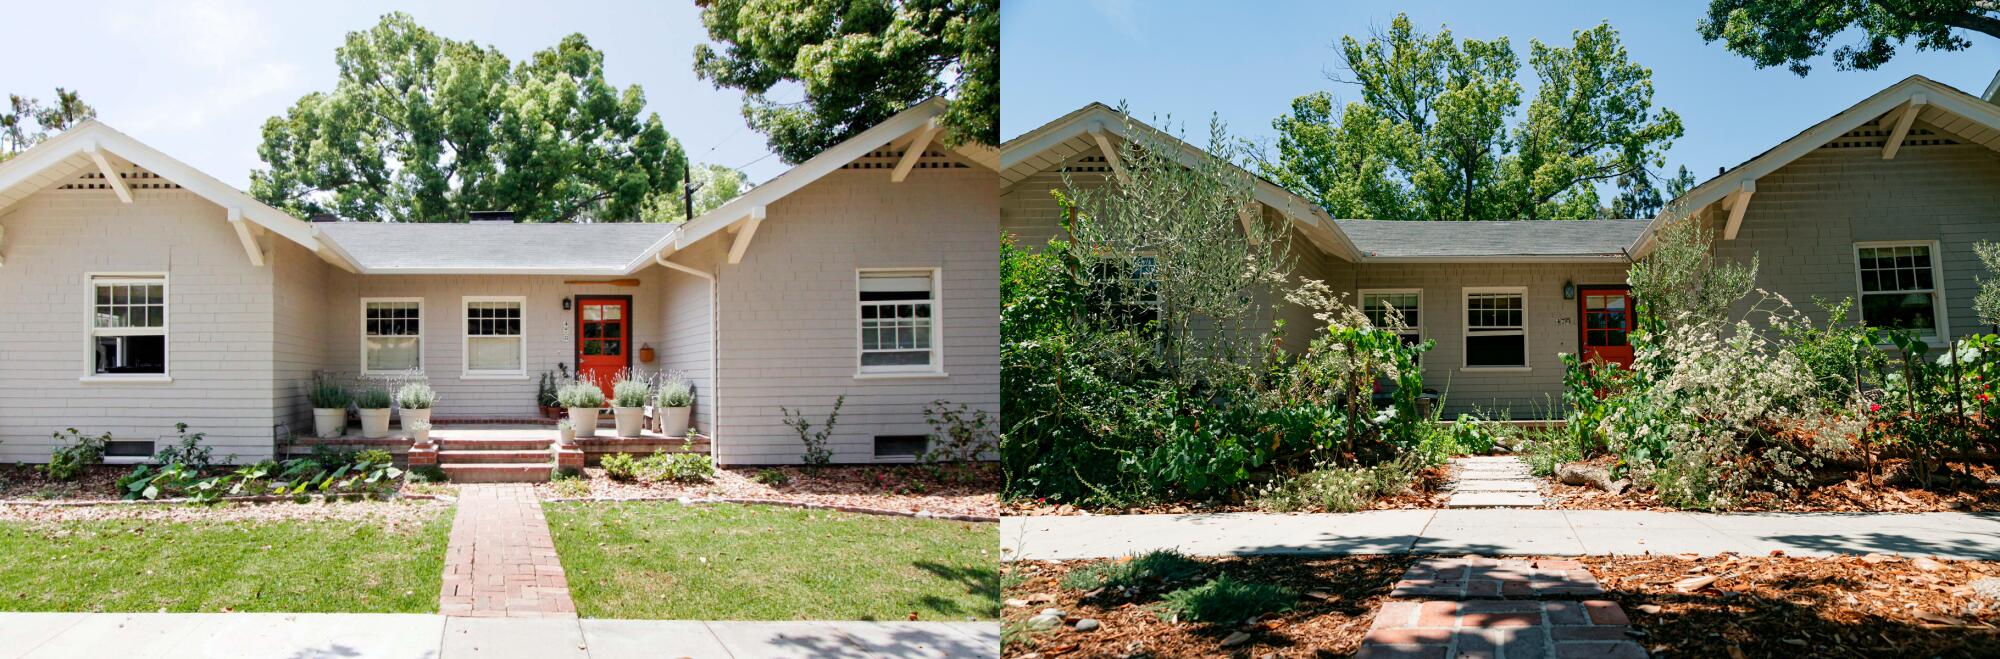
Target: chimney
x=491, y=217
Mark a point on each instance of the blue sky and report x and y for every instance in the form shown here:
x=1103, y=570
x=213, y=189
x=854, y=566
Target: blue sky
x=197, y=78
x=1246, y=63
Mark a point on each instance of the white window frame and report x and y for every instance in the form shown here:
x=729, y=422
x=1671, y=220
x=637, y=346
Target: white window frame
x=1938, y=306
x=1418, y=329
x=465, y=339
x=91, y=331
x=423, y=316
x=1465, y=329
x=935, y=369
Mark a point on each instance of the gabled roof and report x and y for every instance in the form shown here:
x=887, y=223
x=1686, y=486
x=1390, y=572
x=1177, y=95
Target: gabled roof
x=491, y=249
x=1935, y=103
x=1389, y=241
x=92, y=144
x=1050, y=144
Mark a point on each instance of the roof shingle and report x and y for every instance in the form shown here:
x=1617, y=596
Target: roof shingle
x=554, y=247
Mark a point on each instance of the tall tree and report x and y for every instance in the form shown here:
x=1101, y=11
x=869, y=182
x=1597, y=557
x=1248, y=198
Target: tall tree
x=419, y=128
x=26, y=121
x=858, y=62
x=1639, y=198
x=1429, y=137
x=1791, y=33
x=714, y=185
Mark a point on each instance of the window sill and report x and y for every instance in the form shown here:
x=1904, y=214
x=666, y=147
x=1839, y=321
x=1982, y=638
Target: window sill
x=1496, y=369
x=493, y=376
x=126, y=379
x=912, y=375
x=391, y=374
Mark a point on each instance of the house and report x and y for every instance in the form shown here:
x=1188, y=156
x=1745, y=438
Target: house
x=1881, y=202
x=137, y=292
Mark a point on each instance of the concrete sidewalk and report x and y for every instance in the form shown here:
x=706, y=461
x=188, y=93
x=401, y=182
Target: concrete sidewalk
x=394, y=636
x=1498, y=532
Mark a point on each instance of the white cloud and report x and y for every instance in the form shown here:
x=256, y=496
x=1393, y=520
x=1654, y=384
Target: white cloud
x=1121, y=15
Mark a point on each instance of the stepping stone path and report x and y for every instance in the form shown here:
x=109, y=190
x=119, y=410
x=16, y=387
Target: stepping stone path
x=1500, y=481
x=1500, y=608
x=502, y=561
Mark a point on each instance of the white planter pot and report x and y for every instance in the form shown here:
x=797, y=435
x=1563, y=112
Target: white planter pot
x=674, y=421
x=375, y=423
x=329, y=421
x=421, y=437
x=568, y=436
x=631, y=420
x=585, y=419
x=411, y=417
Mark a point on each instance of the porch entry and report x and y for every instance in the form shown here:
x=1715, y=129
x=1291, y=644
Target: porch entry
x=1607, y=323
x=603, y=338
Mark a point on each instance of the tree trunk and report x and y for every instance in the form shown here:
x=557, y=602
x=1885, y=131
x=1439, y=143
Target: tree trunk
x=1583, y=474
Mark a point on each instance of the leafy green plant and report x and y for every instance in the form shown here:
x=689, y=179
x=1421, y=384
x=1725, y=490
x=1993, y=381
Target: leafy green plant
x=187, y=450
x=631, y=391
x=676, y=393
x=677, y=467
x=373, y=398
x=416, y=396
x=1338, y=489
x=327, y=393
x=368, y=471
x=816, y=453
x=73, y=452
x=1225, y=600
x=579, y=394
x=570, y=486
x=1152, y=569
x=620, y=467
x=962, y=434
x=772, y=477
x=545, y=391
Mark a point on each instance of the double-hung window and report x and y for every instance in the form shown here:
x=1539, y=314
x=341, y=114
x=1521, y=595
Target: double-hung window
x=392, y=335
x=128, y=326
x=1495, y=331
x=1383, y=306
x=898, y=321
x=495, y=341
x=1899, y=287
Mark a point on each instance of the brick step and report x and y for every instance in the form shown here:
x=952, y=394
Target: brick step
x=457, y=456
x=498, y=473
x=494, y=444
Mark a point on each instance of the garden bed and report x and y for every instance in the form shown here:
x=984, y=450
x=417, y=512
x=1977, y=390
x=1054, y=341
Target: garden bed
x=900, y=488
x=368, y=557
x=1339, y=597
x=1428, y=490
x=663, y=560
x=1892, y=493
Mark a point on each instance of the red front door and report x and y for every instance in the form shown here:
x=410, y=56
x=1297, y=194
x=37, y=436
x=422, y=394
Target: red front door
x=603, y=339
x=1607, y=323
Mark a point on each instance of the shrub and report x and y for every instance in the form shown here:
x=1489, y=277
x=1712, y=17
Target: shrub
x=428, y=474
x=188, y=450
x=577, y=393
x=816, y=453
x=1339, y=489
x=1224, y=600
x=772, y=477
x=373, y=398
x=1151, y=569
x=677, y=467
x=326, y=393
x=676, y=393
x=963, y=434
x=631, y=391
x=620, y=467
x=1546, y=449
x=569, y=486
x=545, y=391
x=73, y=452
x=416, y=396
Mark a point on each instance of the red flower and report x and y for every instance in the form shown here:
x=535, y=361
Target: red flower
x=1877, y=407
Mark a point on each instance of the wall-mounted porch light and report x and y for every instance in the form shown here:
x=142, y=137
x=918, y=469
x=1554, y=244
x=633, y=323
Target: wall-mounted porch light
x=1569, y=292
x=565, y=304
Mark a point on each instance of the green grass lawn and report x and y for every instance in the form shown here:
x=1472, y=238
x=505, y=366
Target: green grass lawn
x=731, y=562
x=298, y=566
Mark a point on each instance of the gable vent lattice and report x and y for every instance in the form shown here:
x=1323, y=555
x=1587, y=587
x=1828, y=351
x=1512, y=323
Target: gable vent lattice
x=1873, y=135
x=886, y=159
x=135, y=180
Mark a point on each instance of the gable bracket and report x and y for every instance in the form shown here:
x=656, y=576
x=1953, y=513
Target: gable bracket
x=915, y=152
x=3, y=243
x=1737, y=203
x=1110, y=155
x=111, y=177
x=1902, y=129
x=743, y=235
x=245, y=234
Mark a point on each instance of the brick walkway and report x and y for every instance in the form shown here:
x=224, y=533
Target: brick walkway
x=1498, y=608
x=502, y=562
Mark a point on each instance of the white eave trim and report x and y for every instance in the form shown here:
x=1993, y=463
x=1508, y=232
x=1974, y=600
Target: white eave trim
x=1547, y=258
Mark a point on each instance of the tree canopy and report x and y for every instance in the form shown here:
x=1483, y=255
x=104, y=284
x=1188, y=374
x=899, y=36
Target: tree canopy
x=714, y=185
x=26, y=121
x=419, y=128
x=1439, y=133
x=1791, y=33
x=856, y=62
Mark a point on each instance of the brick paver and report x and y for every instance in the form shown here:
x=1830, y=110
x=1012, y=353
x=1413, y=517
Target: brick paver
x=1499, y=609
x=1489, y=578
x=501, y=561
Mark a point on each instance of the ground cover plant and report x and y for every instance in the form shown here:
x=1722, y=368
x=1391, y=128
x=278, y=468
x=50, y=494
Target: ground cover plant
x=1139, y=367
x=198, y=564
x=1737, y=398
x=664, y=560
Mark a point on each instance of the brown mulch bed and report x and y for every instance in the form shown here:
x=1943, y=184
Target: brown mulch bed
x=1854, y=606
x=902, y=488
x=1338, y=603
x=1429, y=490
x=96, y=482
x=1892, y=493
